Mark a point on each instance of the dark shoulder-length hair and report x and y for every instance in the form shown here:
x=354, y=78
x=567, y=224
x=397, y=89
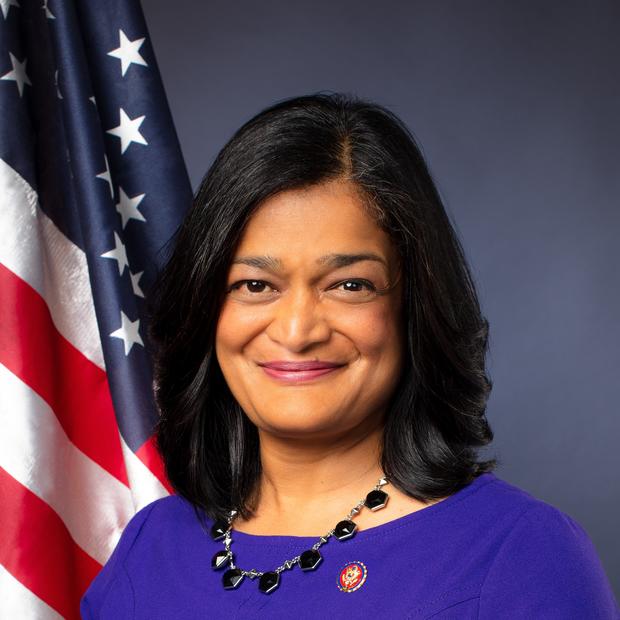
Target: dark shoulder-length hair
x=436, y=419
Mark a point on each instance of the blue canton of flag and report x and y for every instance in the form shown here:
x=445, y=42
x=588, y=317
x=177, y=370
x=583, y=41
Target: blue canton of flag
x=92, y=187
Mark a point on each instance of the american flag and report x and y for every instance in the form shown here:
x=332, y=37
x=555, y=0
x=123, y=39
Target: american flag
x=92, y=186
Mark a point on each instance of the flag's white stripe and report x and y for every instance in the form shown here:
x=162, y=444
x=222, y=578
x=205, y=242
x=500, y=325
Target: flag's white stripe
x=34, y=249
x=35, y=450
x=145, y=487
x=19, y=602
x=41, y=255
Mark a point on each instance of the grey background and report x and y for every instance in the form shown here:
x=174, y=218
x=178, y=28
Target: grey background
x=517, y=108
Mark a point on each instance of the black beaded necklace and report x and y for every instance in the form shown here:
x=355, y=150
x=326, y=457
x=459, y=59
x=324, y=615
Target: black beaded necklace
x=307, y=560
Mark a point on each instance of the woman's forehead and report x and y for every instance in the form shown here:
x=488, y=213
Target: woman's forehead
x=318, y=222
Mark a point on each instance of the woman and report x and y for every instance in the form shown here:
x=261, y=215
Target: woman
x=320, y=373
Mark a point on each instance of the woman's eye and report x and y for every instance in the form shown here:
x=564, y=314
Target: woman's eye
x=357, y=285
x=356, y=290
x=249, y=286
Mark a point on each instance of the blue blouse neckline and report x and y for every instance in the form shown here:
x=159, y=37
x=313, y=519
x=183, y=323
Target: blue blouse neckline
x=371, y=532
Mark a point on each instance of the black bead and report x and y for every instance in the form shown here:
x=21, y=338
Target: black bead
x=376, y=500
x=268, y=582
x=218, y=530
x=232, y=578
x=345, y=529
x=219, y=560
x=310, y=559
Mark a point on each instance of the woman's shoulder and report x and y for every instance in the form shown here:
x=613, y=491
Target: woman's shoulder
x=524, y=523
x=508, y=505
x=495, y=505
x=157, y=520
x=164, y=510
x=160, y=514
x=543, y=562
x=161, y=520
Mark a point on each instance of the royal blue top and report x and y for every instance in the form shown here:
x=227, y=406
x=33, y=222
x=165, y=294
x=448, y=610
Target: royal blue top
x=489, y=551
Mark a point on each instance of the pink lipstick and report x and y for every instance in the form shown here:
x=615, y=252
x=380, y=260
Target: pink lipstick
x=298, y=371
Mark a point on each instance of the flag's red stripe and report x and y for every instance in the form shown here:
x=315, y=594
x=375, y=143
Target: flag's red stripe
x=36, y=548
x=149, y=455
x=76, y=389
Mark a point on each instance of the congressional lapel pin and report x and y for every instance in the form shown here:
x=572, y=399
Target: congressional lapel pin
x=352, y=577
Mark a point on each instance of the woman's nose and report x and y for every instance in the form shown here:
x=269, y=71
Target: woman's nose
x=298, y=321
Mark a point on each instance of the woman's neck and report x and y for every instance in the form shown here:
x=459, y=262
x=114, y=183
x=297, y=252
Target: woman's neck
x=307, y=486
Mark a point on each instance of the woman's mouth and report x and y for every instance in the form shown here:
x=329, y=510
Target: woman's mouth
x=299, y=371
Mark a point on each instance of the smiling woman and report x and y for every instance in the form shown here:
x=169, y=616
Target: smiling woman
x=337, y=314
x=318, y=339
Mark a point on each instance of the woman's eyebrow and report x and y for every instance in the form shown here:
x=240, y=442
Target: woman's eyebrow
x=260, y=262
x=332, y=260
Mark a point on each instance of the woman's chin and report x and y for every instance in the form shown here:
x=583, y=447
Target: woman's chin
x=299, y=424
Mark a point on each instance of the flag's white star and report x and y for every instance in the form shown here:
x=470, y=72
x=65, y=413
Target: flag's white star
x=128, y=207
x=127, y=52
x=105, y=176
x=118, y=254
x=128, y=332
x=18, y=74
x=5, y=5
x=128, y=130
x=135, y=283
x=93, y=100
x=48, y=13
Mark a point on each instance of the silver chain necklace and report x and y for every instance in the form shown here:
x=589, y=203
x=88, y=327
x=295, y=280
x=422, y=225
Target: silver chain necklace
x=307, y=560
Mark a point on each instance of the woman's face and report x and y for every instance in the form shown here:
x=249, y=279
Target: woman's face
x=301, y=288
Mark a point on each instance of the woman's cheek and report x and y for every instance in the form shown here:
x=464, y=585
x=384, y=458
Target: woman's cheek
x=371, y=329
x=238, y=324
